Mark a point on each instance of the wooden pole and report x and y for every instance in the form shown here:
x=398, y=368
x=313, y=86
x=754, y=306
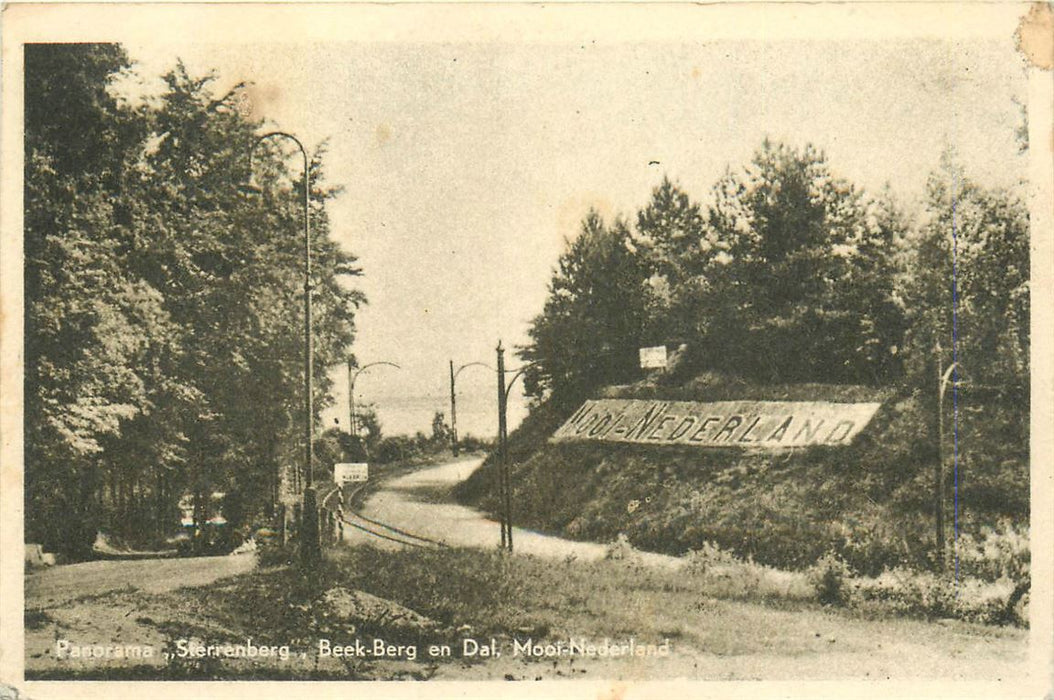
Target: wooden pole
x=453, y=413
x=503, y=495
x=939, y=486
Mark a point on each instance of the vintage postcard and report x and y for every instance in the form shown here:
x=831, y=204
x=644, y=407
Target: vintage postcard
x=611, y=350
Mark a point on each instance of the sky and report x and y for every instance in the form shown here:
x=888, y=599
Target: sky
x=467, y=164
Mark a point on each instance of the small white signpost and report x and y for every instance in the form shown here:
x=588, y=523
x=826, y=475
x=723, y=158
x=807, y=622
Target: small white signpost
x=351, y=472
x=653, y=358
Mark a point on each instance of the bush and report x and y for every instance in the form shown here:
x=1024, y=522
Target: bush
x=724, y=575
x=270, y=553
x=471, y=443
x=398, y=448
x=995, y=553
x=928, y=595
x=829, y=579
x=620, y=549
x=707, y=558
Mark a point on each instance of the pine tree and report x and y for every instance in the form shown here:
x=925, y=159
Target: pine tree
x=594, y=318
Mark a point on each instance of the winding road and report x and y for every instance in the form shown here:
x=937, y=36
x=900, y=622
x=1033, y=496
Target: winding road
x=418, y=503
x=410, y=510
x=415, y=510
x=58, y=585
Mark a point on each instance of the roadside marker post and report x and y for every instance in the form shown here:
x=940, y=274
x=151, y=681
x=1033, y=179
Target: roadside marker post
x=340, y=513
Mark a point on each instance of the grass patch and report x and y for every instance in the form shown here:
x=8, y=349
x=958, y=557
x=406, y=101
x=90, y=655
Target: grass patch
x=35, y=619
x=495, y=594
x=488, y=593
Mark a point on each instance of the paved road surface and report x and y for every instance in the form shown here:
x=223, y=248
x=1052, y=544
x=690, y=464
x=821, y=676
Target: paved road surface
x=47, y=588
x=407, y=503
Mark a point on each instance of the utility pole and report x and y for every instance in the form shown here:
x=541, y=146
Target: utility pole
x=503, y=478
x=351, y=398
x=453, y=413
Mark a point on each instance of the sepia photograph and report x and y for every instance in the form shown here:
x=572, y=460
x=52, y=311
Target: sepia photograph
x=489, y=350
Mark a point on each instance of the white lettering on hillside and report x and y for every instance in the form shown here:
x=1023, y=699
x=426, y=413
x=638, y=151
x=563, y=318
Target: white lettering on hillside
x=762, y=425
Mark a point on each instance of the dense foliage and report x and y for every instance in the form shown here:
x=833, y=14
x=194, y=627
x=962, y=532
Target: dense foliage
x=790, y=274
x=163, y=302
x=788, y=282
x=596, y=314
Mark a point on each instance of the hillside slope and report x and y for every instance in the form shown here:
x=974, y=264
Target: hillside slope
x=871, y=502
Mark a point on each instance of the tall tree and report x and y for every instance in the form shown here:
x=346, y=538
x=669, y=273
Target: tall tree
x=164, y=335
x=672, y=239
x=801, y=278
x=88, y=323
x=594, y=318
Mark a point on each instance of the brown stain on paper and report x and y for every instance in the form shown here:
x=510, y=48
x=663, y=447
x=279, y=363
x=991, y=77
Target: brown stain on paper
x=257, y=98
x=1035, y=35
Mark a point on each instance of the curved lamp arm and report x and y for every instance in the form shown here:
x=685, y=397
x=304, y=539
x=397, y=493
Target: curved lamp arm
x=277, y=134
x=374, y=364
x=360, y=370
x=472, y=364
x=306, y=195
x=947, y=376
x=518, y=373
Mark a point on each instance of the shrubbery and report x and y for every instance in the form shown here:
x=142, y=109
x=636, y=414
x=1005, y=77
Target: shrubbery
x=929, y=595
x=727, y=576
x=708, y=558
x=995, y=553
x=620, y=549
x=828, y=578
x=831, y=581
x=988, y=581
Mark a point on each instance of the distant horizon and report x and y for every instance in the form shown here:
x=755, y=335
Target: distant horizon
x=407, y=415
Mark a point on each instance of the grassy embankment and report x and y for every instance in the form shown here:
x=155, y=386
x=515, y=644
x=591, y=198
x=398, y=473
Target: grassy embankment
x=869, y=505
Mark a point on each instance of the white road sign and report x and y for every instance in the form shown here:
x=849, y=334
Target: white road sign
x=351, y=472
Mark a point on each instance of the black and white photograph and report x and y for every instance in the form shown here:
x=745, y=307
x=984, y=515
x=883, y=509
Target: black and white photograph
x=497, y=350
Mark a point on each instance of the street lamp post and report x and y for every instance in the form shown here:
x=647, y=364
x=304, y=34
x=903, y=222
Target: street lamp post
x=310, y=543
x=945, y=377
x=505, y=479
x=353, y=374
x=453, y=402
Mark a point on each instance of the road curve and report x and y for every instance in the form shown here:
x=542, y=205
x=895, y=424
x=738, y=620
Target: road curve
x=60, y=584
x=419, y=503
